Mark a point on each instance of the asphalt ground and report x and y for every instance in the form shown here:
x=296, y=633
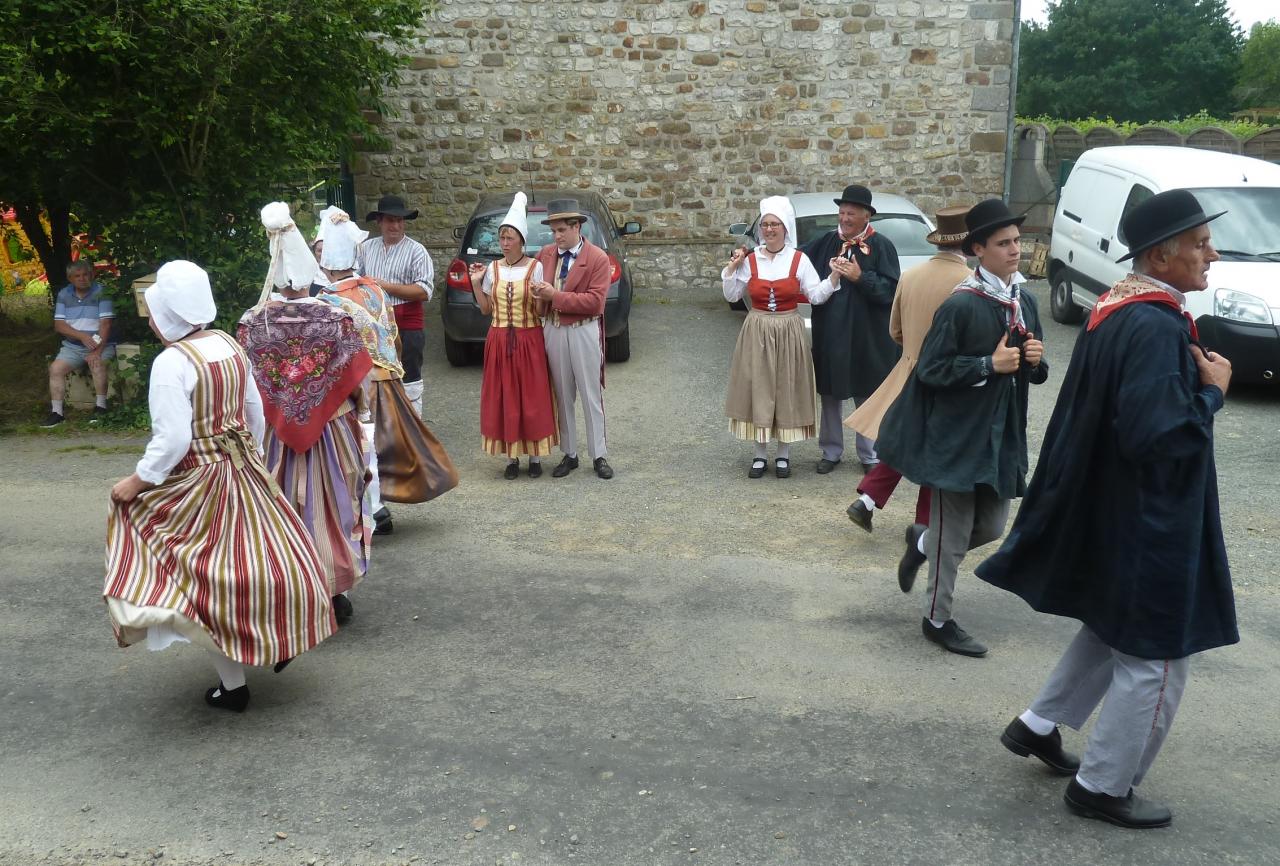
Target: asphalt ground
x=676, y=666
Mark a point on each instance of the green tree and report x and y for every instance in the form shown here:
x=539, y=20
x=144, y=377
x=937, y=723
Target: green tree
x=1259, y=85
x=1134, y=60
x=166, y=124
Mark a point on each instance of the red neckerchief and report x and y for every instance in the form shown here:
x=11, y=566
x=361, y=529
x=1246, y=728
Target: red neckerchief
x=860, y=240
x=1135, y=289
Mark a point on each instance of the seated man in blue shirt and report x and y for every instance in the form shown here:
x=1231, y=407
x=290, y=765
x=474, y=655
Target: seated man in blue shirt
x=82, y=315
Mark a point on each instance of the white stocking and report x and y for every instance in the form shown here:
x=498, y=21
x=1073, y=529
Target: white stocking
x=231, y=673
x=413, y=390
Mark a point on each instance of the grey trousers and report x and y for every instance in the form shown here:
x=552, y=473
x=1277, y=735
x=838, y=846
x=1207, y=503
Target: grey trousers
x=575, y=358
x=1141, y=698
x=831, y=433
x=958, y=522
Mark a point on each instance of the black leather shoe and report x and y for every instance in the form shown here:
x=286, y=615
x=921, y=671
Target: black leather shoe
x=1021, y=740
x=952, y=638
x=603, y=469
x=382, y=522
x=1130, y=811
x=535, y=469
x=342, y=609
x=859, y=514
x=512, y=472
x=782, y=468
x=567, y=465
x=825, y=466
x=757, y=469
x=279, y=667
x=227, y=699
x=912, y=558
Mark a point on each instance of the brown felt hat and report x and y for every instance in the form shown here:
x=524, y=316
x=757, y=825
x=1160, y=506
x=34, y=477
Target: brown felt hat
x=951, y=228
x=563, y=209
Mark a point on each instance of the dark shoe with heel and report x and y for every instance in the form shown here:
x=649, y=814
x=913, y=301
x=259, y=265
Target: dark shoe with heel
x=953, y=638
x=1131, y=812
x=382, y=522
x=535, y=470
x=860, y=514
x=782, y=467
x=757, y=469
x=223, y=698
x=512, y=472
x=912, y=558
x=342, y=609
x=1021, y=740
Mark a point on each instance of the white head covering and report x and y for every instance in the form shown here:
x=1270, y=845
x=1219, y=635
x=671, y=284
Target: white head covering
x=181, y=299
x=780, y=207
x=516, y=216
x=292, y=262
x=341, y=238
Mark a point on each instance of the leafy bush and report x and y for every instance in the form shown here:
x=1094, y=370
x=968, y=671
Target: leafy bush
x=1241, y=129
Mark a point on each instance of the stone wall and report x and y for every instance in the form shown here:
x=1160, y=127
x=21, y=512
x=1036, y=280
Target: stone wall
x=685, y=114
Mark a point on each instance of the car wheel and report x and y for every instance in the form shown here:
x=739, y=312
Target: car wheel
x=618, y=349
x=1063, y=308
x=459, y=354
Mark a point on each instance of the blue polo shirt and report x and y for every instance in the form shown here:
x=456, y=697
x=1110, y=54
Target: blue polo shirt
x=83, y=314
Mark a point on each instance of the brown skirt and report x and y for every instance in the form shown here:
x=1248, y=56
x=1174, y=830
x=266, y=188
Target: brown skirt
x=412, y=464
x=771, y=384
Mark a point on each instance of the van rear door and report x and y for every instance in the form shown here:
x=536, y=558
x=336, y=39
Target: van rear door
x=1091, y=206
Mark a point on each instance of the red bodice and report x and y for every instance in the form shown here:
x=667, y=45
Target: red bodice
x=775, y=296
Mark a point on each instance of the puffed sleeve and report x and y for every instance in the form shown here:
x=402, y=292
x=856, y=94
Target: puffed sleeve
x=735, y=282
x=816, y=289
x=173, y=380
x=486, y=285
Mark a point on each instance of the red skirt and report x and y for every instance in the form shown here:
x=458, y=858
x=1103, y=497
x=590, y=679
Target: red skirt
x=517, y=411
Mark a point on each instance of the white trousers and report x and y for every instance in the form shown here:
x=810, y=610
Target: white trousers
x=575, y=358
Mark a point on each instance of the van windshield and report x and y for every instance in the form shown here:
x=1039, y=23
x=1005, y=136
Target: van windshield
x=482, y=234
x=1251, y=226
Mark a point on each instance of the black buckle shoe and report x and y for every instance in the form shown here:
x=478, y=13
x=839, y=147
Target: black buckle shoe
x=1131, y=812
x=1021, y=740
x=758, y=466
x=952, y=638
x=227, y=699
x=912, y=558
x=859, y=513
x=567, y=465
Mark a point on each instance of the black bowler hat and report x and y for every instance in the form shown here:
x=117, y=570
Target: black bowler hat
x=392, y=205
x=857, y=194
x=1162, y=217
x=983, y=219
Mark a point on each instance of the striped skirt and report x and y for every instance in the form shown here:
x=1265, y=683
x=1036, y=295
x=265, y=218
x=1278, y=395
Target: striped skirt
x=217, y=554
x=771, y=381
x=325, y=485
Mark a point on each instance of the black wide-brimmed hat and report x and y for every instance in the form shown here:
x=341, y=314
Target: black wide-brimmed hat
x=857, y=194
x=983, y=219
x=563, y=209
x=392, y=205
x=1161, y=217
x=951, y=229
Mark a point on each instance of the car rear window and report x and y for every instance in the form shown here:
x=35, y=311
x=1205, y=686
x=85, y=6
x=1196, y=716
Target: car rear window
x=906, y=231
x=482, y=234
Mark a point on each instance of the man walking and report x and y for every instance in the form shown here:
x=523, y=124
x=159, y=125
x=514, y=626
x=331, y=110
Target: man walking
x=1120, y=528
x=574, y=332
x=402, y=268
x=852, y=349
x=960, y=426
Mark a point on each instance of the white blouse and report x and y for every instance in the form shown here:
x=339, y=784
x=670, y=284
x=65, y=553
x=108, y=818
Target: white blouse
x=173, y=382
x=770, y=267
x=506, y=272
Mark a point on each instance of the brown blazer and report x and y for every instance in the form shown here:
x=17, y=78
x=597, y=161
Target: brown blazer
x=582, y=296
x=921, y=290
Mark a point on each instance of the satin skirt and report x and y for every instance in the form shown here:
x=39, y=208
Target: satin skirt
x=412, y=464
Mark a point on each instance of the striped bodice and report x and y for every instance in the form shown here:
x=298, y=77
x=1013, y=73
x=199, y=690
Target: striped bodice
x=513, y=301
x=218, y=427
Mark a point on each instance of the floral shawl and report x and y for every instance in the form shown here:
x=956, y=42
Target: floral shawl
x=366, y=303
x=307, y=359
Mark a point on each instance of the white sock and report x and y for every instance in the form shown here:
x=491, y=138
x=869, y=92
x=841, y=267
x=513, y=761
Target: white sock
x=920, y=542
x=784, y=452
x=57, y=406
x=413, y=390
x=868, y=501
x=100, y=401
x=1039, y=725
x=762, y=451
x=937, y=623
x=1088, y=786
x=231, y=673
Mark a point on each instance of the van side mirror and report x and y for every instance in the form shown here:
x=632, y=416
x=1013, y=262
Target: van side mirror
x=738, y=229
x=458, y=231
x=631, y=228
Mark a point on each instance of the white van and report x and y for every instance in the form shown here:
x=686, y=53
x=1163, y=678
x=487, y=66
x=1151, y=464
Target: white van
x=1239, y=313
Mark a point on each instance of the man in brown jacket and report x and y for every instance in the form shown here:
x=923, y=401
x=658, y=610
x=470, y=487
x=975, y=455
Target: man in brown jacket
x=574, y=331
x=921, y=290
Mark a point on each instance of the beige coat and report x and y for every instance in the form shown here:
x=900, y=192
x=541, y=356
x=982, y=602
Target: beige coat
x=921, y=290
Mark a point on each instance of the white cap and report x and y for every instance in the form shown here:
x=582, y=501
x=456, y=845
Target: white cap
x=341, y=238
x=292, y=262
x=780, y=207
x=180, y=300
x=517, y=218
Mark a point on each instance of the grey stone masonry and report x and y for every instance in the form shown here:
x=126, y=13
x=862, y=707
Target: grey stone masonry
x=684, y=114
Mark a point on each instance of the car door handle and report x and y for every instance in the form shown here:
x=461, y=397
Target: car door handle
x=1104, y=245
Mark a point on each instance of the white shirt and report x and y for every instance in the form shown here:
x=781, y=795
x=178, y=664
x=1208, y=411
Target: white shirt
x=771, y=267
x=1177, y=295
x=506, y=272
x=991, y=278
x=173, y=382
x=573, y=258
